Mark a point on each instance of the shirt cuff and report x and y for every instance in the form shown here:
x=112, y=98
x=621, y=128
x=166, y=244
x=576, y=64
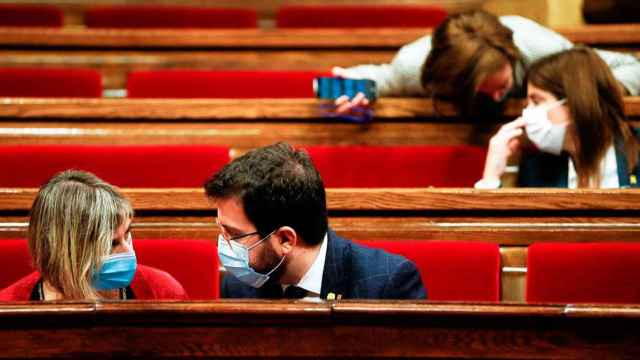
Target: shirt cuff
x=487, y=184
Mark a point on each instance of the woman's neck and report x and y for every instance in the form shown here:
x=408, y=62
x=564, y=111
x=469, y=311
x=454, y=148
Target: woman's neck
x=49, y=292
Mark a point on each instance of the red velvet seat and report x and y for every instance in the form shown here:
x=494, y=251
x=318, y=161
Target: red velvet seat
x=359, y=16
x=583, y=273
x=398, y=166
x=167, y=16
x=49, y=82
x=155, y=166
x=452, y=270
x=194, y=263
x=16, y=260
x=221, y=84
x=19, y=15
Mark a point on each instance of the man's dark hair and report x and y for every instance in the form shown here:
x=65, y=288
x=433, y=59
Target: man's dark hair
x=278, y=186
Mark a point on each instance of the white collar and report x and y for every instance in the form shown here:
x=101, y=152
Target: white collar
x=608, y=171
x=312, y=279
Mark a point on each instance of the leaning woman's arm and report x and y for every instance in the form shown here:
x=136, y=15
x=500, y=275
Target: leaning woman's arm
x=626, y=69
x=536, y=41
x=402, y=76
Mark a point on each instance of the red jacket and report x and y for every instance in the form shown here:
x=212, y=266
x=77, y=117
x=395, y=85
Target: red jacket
x=148, y=284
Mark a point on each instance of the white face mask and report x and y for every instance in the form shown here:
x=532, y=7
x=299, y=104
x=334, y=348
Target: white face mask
x=547, y=136
x=235, y=259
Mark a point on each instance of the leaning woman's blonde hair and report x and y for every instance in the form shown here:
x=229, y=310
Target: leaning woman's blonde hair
x=72, y=223
x=594, y=99
x=465, y=49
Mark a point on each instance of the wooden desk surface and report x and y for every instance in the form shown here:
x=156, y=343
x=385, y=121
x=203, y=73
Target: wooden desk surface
x=347, y=39
x=324, y=330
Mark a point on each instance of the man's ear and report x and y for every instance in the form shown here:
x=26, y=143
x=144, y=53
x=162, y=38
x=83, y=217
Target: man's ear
x=288, y=238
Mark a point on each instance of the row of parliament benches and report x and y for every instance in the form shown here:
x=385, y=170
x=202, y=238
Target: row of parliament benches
x=441, y=220
x=244, y=123
x=337, y=329
x=115, y=53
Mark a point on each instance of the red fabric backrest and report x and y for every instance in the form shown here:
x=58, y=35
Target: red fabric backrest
x=451, y=270
x=123, y=166
x=583, y=273
x=359, y=16
x=163, y=16
x=49, y=82
x=15, y=260
x=221, y=84
x=30, y=15
x=398, y=166
x=194, y=263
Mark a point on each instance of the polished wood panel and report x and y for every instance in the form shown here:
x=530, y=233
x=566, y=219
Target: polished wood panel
x=116, y=52
x=347, y=39
x=368, y=329
x=242, y=123
x=391, y=199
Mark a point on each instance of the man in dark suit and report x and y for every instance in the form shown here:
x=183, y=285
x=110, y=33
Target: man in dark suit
x=274, y=239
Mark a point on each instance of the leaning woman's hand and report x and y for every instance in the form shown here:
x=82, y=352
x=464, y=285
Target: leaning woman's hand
x=501, y=146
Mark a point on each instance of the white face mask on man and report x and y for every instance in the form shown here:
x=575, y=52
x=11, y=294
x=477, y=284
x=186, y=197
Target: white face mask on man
x=546, y=135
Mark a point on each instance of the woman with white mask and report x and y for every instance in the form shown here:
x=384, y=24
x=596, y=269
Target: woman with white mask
x=81, y=246
x=575, y=125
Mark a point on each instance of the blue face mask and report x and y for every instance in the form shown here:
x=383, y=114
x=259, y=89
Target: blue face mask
x=235, y=259
x=116, y=272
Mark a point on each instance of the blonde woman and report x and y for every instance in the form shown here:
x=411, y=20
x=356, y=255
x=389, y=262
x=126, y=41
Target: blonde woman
x=80, y=243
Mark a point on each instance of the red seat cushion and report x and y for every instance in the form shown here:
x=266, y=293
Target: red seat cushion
x=452, y=270
x=164, y=16
x=583, y=273
x=221, y=84
x=359, y=16
x=48, y=82
x=124, y=166
x=398, y=166
x=194, y=263
x=16, y=261
x=30, y=15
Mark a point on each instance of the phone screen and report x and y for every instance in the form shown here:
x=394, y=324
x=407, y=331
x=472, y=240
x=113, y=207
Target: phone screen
x=334, y=87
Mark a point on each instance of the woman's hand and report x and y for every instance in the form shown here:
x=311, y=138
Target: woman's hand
x=501, y=146
x=344, y=105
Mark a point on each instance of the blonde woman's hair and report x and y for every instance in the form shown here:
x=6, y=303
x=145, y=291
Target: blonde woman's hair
x=72, y=223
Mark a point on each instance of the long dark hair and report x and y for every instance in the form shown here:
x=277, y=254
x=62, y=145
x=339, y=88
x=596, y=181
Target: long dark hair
x=594, y=98
x=465, y=49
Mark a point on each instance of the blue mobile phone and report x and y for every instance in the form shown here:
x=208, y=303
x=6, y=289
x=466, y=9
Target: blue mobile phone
x=334, y=87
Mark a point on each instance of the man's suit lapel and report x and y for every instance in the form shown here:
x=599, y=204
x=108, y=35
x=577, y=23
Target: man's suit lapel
x=270, y=290
x=337, y=268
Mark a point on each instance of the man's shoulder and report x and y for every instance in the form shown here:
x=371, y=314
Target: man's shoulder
x=367, y=261
x=376, y=273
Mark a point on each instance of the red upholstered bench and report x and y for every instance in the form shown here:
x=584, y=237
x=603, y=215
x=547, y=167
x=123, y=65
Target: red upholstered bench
x=157, y=166
x=50, y=82
x=452, y=270
x=398, y=166
x=16, y=261
x=21, y=15
x=167, y=16
x=359, y=16
x=583, y=273
x=221, y=84
x=194, y=263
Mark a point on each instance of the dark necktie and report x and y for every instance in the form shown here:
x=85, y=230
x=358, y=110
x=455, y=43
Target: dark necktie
x=294, y=292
